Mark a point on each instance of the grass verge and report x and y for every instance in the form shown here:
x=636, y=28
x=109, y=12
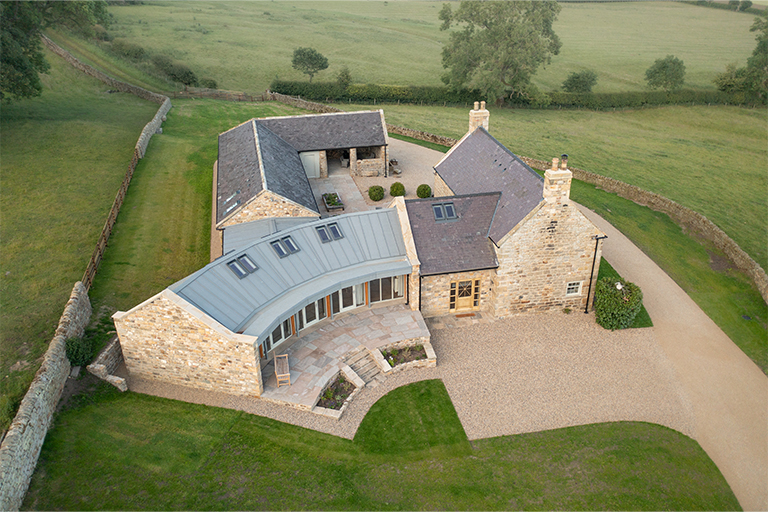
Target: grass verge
x=134, y=451
x=64, y=155
x=643, y=319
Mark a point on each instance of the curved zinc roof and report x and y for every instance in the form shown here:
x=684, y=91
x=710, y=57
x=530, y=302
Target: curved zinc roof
x=372, y=246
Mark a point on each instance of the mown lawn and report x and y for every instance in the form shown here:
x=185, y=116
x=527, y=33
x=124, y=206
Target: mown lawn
x=115, y=451
x=163, y=232
x=244, y=45
x=63, y=156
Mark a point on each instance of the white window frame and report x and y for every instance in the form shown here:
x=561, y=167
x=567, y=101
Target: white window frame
x=569, y=285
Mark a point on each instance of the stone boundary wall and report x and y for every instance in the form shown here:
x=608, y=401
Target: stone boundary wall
x=106, y=363
x=95, y=73
x=21, y=446
x=300, y=103
x=416, y=134
x=682, y=216
x=152, y=127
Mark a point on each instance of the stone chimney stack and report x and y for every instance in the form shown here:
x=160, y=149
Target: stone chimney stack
x=479, y=117
x=557, y=182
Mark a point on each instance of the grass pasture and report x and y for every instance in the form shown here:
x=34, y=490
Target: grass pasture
x=244, y=45
x=64, y=156
x=713, y=160
x=129, y=451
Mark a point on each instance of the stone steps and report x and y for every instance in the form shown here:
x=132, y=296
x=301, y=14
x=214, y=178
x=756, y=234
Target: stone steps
x=363, y=365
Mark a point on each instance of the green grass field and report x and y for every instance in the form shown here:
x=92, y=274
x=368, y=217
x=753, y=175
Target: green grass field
x=713, y=160
x=115, y=451
x=64, y=156
x=163, y=232
x=244, y=45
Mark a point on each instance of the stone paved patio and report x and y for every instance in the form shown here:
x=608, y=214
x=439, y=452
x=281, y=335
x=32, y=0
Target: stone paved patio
x=316, y=357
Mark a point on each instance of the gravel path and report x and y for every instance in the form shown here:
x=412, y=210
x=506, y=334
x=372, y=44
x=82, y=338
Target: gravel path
x=525, y=374
x=727, y=391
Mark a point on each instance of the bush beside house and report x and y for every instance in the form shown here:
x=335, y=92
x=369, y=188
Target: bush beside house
x=617, y=303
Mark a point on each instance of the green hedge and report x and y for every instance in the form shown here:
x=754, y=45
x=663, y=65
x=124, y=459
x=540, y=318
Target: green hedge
x=637, y=99
x=368, y=93
x=617, y=306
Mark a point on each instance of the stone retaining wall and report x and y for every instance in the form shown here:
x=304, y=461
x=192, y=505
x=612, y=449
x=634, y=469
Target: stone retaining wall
x=106, y=363
x=429, y=362
x=21, y=446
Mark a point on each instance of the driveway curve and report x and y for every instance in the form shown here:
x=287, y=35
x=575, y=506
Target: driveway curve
x=727, y=391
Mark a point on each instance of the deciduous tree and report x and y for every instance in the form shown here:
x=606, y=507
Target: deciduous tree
x=309, y=61
x=667, y=73
x=21, y=52
x=499, y=45
x=583, y=81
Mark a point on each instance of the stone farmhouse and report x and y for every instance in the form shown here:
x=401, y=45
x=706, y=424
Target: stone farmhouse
x=496, y=239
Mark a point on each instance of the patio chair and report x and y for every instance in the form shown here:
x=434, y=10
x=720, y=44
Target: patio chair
x=282, y=371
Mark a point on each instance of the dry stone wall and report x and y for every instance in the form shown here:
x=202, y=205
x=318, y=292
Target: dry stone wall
x=165, y=342
x=21, y=446
x=106, y=363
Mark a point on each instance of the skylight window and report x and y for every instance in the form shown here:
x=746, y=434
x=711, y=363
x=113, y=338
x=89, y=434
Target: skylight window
x=242, y=266
x=444, y=211
x=335, y=231
x=322, y=232
x=247, y=263
x=290, y=244
x=237, y=269
x=285, y=246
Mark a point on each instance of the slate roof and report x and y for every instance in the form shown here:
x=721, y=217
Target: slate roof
x=330, y=131
x=372, y=247
x=264, y=154
x=479, y=163
x=454, y=245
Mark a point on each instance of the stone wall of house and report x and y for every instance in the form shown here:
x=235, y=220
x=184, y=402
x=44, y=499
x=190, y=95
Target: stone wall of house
x=441, y=188
x=24, y=440
x=323, y=164
x=370, y=167
x=436, y=292
x=268, y=204
x=106, y=363
x=162, y=341
x=554, y=247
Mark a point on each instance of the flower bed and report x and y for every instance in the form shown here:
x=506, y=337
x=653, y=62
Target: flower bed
x=336, y=393
x=395, y=356
x=332, y=201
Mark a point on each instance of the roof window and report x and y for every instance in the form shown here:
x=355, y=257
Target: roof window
x=285, y=246
x=242, y=266
x=329, y=232
x=444, y=211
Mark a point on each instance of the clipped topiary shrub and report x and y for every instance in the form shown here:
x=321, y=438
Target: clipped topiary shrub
x=376, y=193
x=424, y=191
x=617, y=303
x=79, y=351
x=397, y=189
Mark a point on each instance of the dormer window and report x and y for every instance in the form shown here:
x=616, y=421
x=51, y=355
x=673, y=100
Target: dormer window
x=242, y=266
x=444, y=211
x=285, y=246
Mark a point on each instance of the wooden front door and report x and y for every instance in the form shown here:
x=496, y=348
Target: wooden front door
x=464, y=298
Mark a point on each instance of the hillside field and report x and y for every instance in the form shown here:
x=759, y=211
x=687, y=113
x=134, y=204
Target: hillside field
x=244, y=45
